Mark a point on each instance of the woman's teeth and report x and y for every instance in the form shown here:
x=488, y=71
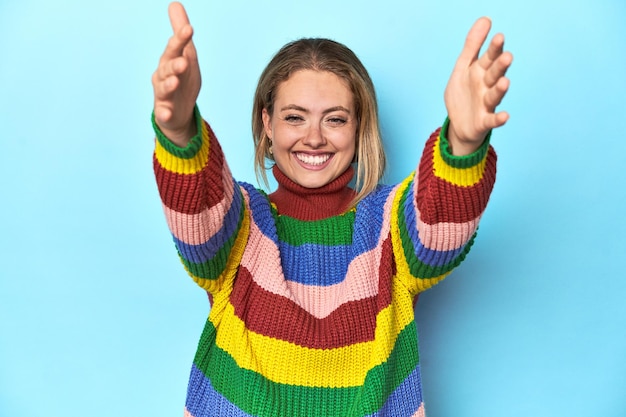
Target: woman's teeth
x=313, y=159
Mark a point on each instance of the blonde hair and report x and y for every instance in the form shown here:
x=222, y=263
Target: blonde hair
x=320, y=54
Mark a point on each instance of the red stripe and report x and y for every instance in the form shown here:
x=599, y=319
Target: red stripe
x=205, y=186
x=277, y=317
x=441, y=201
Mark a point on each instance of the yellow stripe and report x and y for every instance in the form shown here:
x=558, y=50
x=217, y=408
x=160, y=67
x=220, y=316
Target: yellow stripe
x=462, y=177
x=181, y=165
x=287, y=363
x=412, y=283
x=233, y=262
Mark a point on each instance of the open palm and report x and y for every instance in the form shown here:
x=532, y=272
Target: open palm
x=476, y=87
x=176, y=81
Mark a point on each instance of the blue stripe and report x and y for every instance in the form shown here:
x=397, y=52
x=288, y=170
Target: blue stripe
x=206, y=251
x=368, y=221
x=204, y=401
x=261, y=212
x=314, y=264
x=405, y=400
x=430, y=257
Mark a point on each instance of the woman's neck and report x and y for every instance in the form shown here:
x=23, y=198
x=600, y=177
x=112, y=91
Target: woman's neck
x=309, y=204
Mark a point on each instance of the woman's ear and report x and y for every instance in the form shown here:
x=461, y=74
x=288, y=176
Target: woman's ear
x=267, y=125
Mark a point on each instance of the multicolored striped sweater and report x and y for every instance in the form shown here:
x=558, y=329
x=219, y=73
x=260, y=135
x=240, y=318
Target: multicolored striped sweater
x=312, y=315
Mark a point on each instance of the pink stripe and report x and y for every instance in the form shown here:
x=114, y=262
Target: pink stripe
x=195, y=229
x=442, y=236
x=265, y=268
x=445, y=236
x=421, y=412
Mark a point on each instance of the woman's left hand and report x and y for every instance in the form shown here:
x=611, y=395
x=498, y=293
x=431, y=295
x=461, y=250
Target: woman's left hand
x=476, y=87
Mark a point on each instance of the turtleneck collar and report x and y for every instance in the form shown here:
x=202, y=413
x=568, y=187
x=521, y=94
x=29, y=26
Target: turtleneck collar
x=310, y=204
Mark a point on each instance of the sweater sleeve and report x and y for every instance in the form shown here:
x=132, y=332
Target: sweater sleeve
x=204, y=206
x=436, y=210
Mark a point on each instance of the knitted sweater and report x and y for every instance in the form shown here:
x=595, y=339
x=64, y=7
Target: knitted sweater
x=312, y=304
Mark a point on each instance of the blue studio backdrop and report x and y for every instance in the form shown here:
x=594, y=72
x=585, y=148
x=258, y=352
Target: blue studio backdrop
x=97, y=316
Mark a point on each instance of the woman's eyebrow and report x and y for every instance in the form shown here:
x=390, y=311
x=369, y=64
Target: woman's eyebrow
x=302, y=109
x=293, y=107
x=336, y=108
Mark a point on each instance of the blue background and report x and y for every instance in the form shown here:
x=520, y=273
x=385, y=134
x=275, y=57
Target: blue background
x=98, y=318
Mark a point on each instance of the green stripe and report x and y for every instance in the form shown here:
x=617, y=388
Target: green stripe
x=212, y=268
x=418, y=268
x=248, y=389
x=333, y=231
x=192, y=148
x=462, y=162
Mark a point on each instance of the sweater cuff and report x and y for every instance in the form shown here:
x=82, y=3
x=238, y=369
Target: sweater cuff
x=466, y=161
x=194, y=145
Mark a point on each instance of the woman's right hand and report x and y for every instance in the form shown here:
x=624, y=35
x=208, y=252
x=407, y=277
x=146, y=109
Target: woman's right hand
x=177, y=81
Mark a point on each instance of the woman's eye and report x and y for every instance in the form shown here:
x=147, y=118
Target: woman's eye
x=293, y=118
x=336, y=121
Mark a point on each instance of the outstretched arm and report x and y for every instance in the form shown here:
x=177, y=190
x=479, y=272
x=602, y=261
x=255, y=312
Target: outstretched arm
x=203, y=205
x=476, y=87
x=436, y=212
x=176, y=81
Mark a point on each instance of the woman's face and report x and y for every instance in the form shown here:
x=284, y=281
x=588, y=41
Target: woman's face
x=312, y=128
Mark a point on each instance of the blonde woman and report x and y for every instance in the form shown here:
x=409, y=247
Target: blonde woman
x=312, y=286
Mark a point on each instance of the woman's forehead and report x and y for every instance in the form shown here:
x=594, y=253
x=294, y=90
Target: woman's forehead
x=311, y=88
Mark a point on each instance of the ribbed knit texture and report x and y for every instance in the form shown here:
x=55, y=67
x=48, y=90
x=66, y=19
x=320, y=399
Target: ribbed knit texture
x=312, y=309
x=310, y=204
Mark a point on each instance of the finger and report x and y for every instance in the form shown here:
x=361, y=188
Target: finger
x=178, y=16
x=500, y=119
x=183, y=32
x=176, y=67
x=164, y=88
x=474, y=41
x=494, y=95
x=498, y=69
x=494, y=120
x=162, y=114
x=493, y=51
x=178, y=42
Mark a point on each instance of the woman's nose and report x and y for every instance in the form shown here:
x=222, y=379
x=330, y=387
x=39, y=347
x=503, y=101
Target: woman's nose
x=314, y=137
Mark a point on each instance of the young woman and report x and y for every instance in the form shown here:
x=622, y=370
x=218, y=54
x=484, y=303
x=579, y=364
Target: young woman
x=312, y=286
